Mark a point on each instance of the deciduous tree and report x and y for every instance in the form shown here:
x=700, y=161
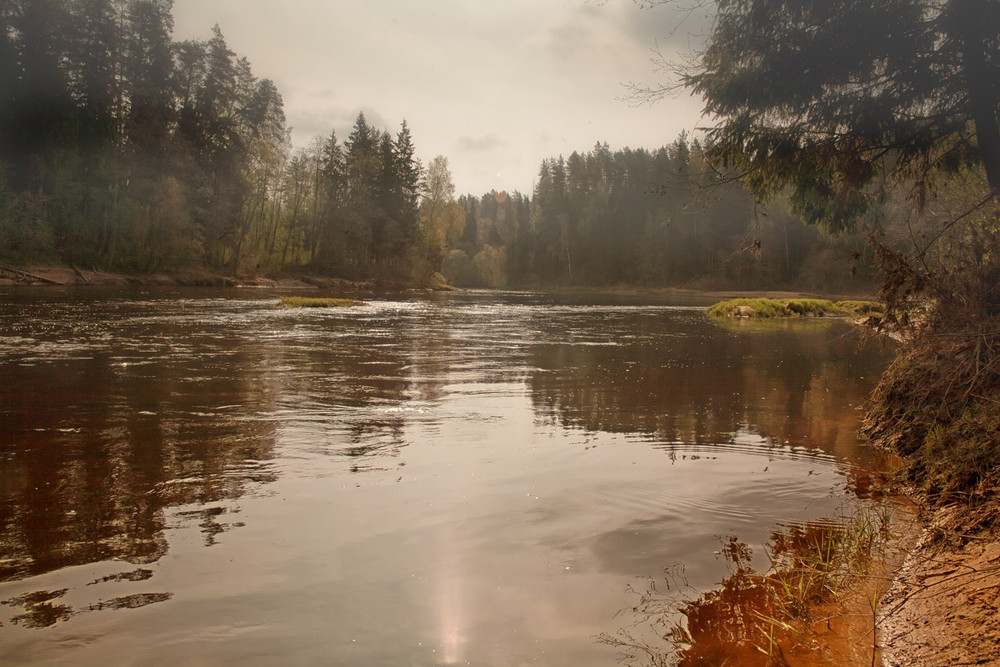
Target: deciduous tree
x=442, y=219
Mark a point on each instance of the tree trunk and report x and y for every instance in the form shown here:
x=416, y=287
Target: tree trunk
x=970, y=29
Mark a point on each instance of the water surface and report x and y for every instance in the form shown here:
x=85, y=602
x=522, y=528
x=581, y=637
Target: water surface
x=474, y=478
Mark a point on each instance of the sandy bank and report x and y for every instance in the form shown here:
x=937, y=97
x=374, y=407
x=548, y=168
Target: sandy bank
x=49, y=275
x=944, y=606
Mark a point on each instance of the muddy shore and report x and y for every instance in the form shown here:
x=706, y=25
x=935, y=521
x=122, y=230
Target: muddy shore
x=943, y=607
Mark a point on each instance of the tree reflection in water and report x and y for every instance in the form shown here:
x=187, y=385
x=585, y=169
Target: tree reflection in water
x=123, y=419
x=699, y=386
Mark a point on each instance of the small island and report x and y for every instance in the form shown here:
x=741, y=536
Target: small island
x=766, y=309
x=317, y=302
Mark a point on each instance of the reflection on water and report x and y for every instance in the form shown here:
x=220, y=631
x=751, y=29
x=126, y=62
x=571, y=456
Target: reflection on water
x=803, y=611
x=111, y=414
x=691, y=384
x=468, y=478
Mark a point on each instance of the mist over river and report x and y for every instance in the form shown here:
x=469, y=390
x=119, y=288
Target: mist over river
x=484, y=478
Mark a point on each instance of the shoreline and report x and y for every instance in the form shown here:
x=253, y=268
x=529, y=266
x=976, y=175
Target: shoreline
x=64, y=276
x=942, y=607
x=57, y=276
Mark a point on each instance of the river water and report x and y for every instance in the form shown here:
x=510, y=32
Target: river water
x=199, y=478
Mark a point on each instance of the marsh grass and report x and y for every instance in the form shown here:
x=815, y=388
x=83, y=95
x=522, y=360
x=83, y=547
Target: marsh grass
x=765, y=309
x=772, y=618
x=813, y=567
x=861, y=309
x=317, y=302
x=816, y=561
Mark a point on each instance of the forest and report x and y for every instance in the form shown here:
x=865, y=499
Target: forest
x=646, y=218
x=123, y=149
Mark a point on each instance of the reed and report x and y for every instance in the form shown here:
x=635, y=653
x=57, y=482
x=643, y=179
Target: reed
x=769, y=618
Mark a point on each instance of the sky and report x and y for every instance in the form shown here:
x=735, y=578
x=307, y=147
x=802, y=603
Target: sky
x=495, y=86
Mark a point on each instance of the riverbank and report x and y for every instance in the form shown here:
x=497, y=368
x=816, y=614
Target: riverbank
x=943, y=607
x=936, y=406
x=50, y=275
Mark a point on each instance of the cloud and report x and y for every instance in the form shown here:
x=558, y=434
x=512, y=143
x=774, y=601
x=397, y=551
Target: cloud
x=319, y=120
x=589, y=40
x=494, y=86
x=489, y=142
x=675, y=27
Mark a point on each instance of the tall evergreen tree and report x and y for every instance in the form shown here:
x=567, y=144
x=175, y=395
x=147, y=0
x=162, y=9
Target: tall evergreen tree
x=95, y=57
x=148, y=69
x=327, y=240
x=362, y=167
x=42, y=111
x=408, y=166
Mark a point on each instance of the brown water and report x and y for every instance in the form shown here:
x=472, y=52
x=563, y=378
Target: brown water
x=473, y=478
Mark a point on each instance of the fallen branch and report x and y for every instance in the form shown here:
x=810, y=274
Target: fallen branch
x=20, y=274
x=79, y=273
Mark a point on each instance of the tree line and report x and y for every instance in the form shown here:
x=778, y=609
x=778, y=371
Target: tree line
x=641, y=217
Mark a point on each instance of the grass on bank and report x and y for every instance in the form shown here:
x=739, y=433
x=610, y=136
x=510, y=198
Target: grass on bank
x=317, y=302
x=806, y=599
x=763, y=309
x=937, y=406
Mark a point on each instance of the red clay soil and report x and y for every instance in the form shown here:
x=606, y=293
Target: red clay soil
x=944, y=606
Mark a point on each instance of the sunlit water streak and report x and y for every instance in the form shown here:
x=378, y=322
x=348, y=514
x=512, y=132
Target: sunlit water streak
x=472, y=478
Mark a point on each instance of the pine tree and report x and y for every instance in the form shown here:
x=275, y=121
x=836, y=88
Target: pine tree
x=42, y=110
x=148, y=70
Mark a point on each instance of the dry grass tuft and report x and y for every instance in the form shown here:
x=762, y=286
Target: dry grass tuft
x=938, y=405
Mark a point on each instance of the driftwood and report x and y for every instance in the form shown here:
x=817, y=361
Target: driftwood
x=19, y=274
x=79, y=273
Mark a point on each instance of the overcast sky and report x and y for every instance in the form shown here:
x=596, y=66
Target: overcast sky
x=493, y=85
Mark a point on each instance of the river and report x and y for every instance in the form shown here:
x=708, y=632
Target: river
x=204, y=478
